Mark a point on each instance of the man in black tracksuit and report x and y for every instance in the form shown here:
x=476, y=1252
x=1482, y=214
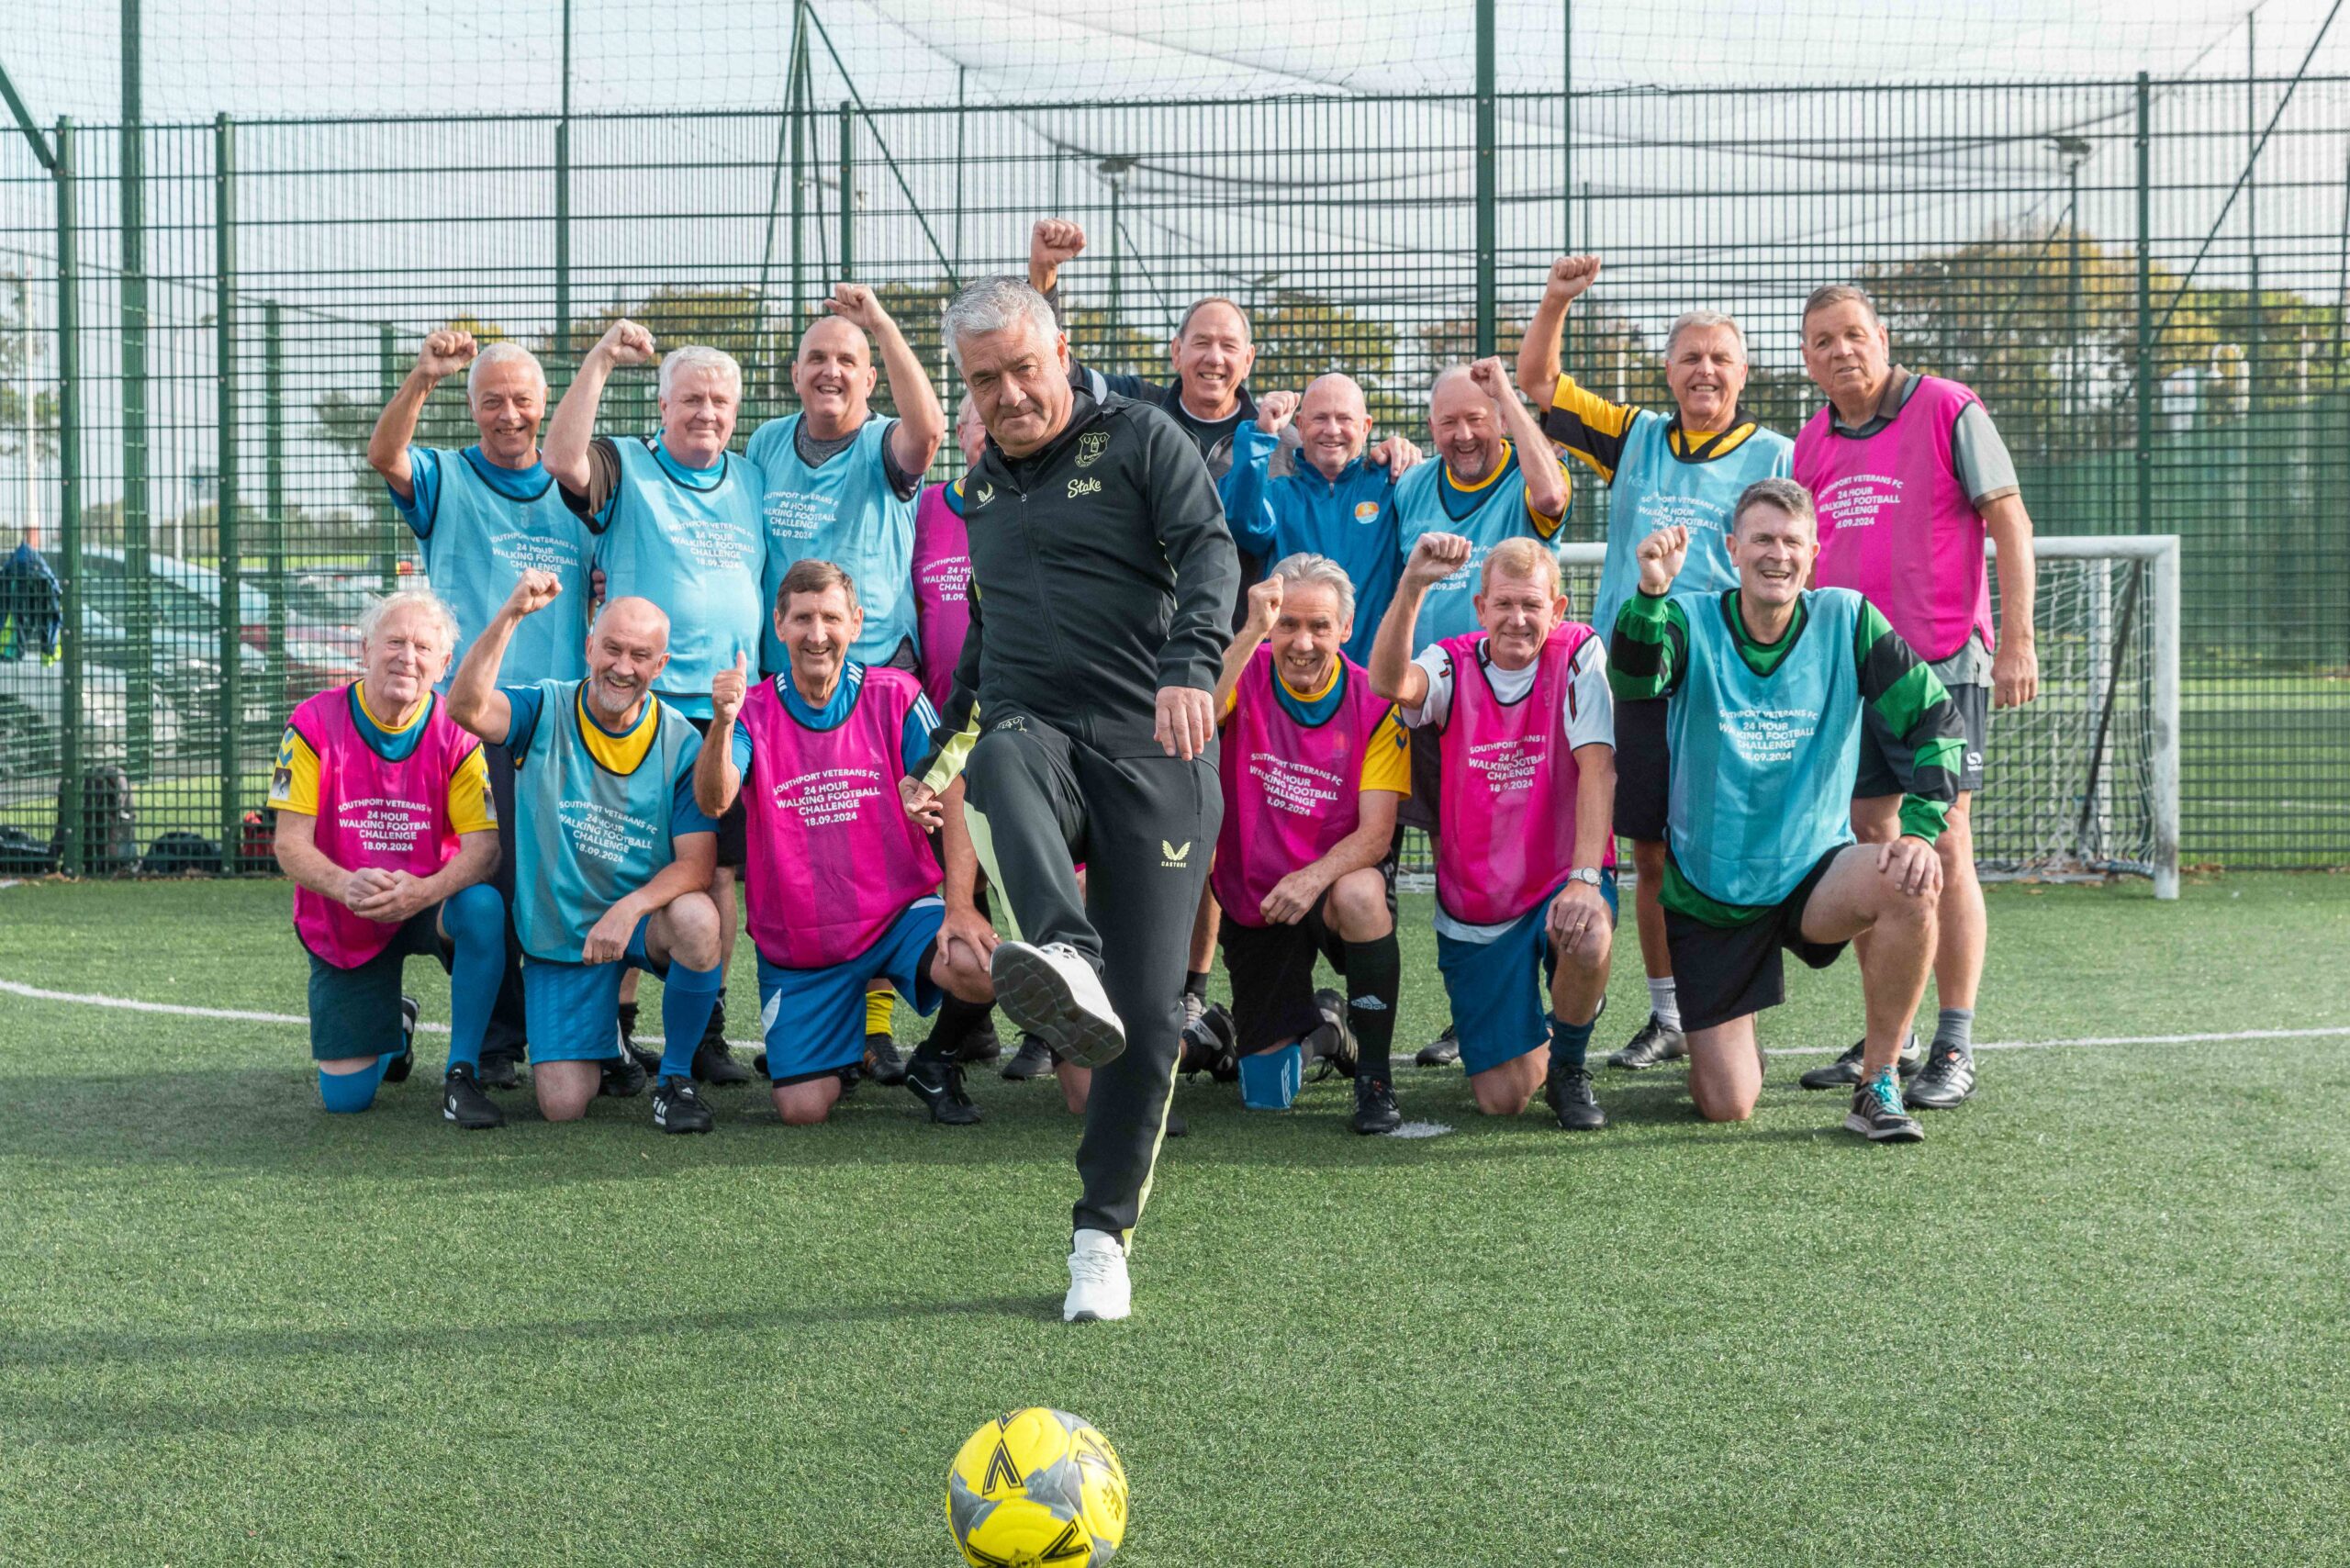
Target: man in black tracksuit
x=1103, y=580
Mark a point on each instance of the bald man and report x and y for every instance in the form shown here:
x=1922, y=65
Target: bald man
x=615, y=857
x=1338, y=501
x=841, y=483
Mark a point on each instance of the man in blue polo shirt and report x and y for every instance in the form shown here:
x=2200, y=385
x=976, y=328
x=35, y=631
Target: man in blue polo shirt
x=485, y=514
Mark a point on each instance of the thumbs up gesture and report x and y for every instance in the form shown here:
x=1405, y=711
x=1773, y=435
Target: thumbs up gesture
x=726, y=692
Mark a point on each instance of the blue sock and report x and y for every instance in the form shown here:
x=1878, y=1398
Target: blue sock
x=687, y=996
x=1569, y=1042
x=345, y=1093
x=476, y=921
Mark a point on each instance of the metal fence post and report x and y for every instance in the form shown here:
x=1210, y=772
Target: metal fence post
x=388, y=558
x=232, y=614
x=2145, y=310
x=562, y=201
x=69, y=495
x=138, y=609
x=1488, y=179
x=848, y=193
x=272, y=421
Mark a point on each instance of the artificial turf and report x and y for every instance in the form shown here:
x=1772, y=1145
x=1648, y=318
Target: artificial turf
x=2099, y=1316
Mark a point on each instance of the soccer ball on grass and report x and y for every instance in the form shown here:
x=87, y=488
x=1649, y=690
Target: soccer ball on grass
x=1037, y=1488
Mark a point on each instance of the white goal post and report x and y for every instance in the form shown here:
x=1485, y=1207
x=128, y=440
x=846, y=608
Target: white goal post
x=2084, y=781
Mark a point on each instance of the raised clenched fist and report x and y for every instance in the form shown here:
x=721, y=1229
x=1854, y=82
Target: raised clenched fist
x=625, y=343
x=1436, y=557
x=1274, y=410
x=534, y=591
x=857, y=304
x=1569, y=276
x=1265, y=604
x=446, y=351
x=1054, y=241
x=1660, y=556
x=1491, y=377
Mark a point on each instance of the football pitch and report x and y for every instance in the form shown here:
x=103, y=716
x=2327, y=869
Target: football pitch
x=2101, y=1314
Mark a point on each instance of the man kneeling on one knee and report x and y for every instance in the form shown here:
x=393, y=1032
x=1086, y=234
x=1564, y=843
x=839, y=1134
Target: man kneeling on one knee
x=1313, y=765
x=843, y=886
x=1526, y=847
x=386, y=824
x=1768, y=687
x=613, y=858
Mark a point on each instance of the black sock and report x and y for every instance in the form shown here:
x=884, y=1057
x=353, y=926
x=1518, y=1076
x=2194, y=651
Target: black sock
x=1195, y=983
x=957, y=1020
x=628, y=1020
x=1374, y=975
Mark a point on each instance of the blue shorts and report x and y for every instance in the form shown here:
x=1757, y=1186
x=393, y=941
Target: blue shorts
x=814, y=1020
x=571, y=1012
x=1499, y=989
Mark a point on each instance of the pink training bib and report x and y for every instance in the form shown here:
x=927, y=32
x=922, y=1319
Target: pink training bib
x=1896, y=522
x=834, y=857
x=942, y=590
x=1505, y=821
x=372, y=812
x=1291, y=791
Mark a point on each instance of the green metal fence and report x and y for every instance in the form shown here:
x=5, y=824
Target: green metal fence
x=2144, y=279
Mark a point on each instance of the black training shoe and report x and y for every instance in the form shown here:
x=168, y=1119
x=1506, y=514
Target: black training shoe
x=463, y=1102
x=643, y=1056
x=624, y=1078
x=1033, y=1059
x=1877, y=1115
x=1335, y=1042
x=1845, y=1071
x=980, y=1047
x=1946, y=1084
x=1656, y=1042
x=501, y=1069
x=1211, y=1045
x=1177, y=1127
x=1568, y=1090
x=713, y=1063
x=1375, y=1109
x=884, y=1062
x=678, y=1108
x=937, y=1083
x=1442, y=1051
x=396, y=1069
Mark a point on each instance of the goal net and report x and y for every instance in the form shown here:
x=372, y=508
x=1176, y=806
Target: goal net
x=2084, y=781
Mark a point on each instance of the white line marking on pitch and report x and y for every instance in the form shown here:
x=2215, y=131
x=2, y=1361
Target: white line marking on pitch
x=240, y=1016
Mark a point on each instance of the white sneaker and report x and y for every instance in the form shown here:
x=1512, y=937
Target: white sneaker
x=1052, y=992
x=1098, y=1288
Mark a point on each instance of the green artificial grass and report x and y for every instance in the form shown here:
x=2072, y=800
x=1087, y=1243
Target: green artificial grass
x=2099, y=1316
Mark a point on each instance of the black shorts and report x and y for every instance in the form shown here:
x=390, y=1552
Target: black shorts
x=1643, y=770
x=1418, y=807
x=1271, y=969
x=1726, y=972
x=733, y=829
x=1876, y=775
x=356, y=1011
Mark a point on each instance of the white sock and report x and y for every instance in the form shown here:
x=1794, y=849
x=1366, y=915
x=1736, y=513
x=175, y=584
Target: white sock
x=1665, y=1002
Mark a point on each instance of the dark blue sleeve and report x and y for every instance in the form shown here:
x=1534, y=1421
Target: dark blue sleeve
x=686, y=817
x=424, y=478
x=527, y=703
x=914, y=745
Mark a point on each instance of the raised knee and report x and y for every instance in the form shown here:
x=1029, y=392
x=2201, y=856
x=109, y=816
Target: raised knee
x=693, y=930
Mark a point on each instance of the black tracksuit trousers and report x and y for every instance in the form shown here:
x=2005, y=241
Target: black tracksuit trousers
x=1144, y=829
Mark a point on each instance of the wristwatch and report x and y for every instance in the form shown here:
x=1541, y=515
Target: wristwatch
x=1584, y=874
